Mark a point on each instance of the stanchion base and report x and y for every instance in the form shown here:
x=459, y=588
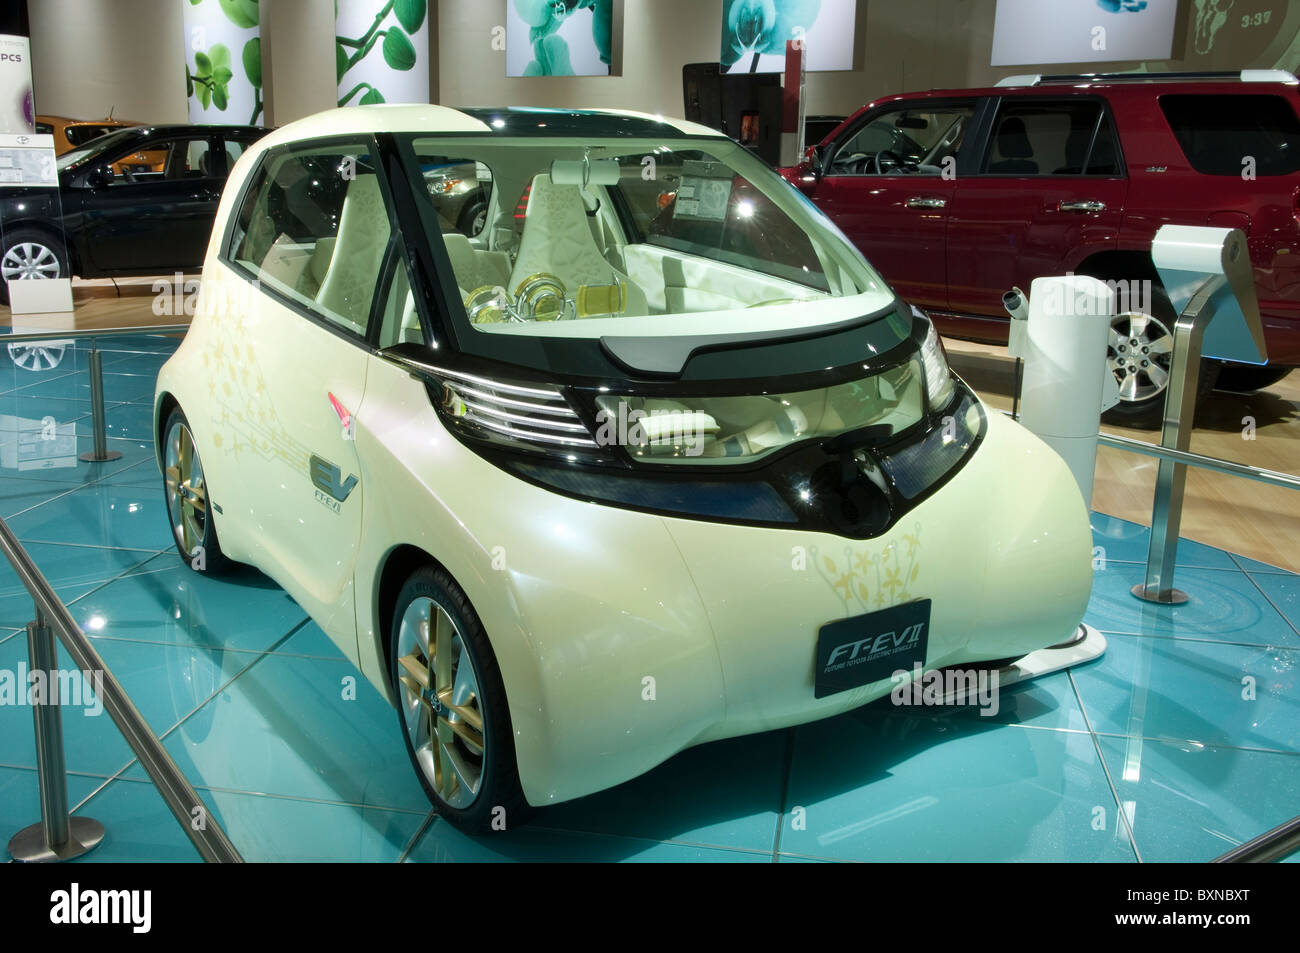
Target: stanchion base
x=1170, y=597
x=28, y=845
x=91, y=457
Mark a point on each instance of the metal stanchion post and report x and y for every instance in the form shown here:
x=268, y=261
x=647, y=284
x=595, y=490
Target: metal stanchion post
x=57, y=836
x=100, y=453
x=1171, y=477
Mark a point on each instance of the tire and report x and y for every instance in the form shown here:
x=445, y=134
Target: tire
x=469, y=223
x=194, y=533
x=470, y=776
x=1244, y=378
x=1139, y=353
x=28, y=253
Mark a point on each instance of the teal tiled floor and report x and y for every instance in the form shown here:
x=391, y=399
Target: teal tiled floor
x=1179, y=743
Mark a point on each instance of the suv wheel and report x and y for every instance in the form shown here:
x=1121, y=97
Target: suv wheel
x=1140, y=355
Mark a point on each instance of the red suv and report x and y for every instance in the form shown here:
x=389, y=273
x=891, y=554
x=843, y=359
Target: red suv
x=957, y=195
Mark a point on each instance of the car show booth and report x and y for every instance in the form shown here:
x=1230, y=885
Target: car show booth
x=677, y=431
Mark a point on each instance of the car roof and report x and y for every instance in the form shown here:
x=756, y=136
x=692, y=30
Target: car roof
x=1122, y=83
x=505, y=121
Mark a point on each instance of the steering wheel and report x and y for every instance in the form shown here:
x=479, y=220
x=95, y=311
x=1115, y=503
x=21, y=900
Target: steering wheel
x=878, y=161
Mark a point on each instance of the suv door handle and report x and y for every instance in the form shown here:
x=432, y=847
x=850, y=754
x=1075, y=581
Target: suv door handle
x=1085, y=206
x=920, y=201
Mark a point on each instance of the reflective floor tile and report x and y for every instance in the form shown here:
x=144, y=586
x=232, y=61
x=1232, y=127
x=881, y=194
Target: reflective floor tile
x=1122, y=541
x=1255, y=566
x=442, y=843
x=726, y=794
x=143, y=473
x=167, y=601
x=72, y=570
x=1186, y=690
x=1225, y=606
x=1046, y=702
x=20, y=799
x=299, y=727
x=130, y=421
x=901, y=788
x=59, y=461
x=165, y=682
x=263, y=829
x=310, y=641
x=1192, y=803
x=128, y=517
x=118, y=388
x=18, y=493
x=1283, y=591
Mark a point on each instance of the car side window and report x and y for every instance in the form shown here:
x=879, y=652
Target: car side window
x=914, y=140
x=1033, y=137
x=314, y=226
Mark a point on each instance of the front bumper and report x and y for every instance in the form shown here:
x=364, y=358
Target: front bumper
x=723, y=620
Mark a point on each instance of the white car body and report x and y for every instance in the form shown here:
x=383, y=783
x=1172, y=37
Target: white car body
x=622, y=636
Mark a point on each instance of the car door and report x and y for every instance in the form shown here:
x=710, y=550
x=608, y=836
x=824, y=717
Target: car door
x=312, y=232
x=1049, y=191
x=154, y=222
x=887, y=183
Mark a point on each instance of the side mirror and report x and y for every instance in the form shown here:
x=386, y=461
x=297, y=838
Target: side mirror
x=101, y=177
x=817, y=160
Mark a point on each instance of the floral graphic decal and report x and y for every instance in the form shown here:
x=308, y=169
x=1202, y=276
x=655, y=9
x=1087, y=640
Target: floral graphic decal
x=552, y=55
x=393, y=30
x=212, y=27
x=866, y=580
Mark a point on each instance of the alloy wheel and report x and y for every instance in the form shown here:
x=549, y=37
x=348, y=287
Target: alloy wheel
x=187, y=498
x=1139, y=352
x=441, y=702
x=29, y=260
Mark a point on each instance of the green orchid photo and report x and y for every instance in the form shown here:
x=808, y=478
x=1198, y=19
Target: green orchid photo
x=391, y=32
x=212, y=28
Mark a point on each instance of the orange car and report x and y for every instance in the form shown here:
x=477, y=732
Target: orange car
x=72, y=134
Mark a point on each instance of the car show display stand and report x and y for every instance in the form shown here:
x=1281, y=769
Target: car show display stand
x=1207, y=274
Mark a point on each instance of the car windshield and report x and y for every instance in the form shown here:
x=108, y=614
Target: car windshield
x=624, y=236
x=96, y=147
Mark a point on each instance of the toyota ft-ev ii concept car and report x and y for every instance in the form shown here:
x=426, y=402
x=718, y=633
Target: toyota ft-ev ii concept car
x=652, y=458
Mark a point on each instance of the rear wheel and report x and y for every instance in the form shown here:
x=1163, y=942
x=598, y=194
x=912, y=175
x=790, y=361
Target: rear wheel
x=1139, y=353
x=186, y=491
x=452, y=706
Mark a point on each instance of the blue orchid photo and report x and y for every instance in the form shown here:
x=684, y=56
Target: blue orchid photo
x=762, y=27
x=551, y=52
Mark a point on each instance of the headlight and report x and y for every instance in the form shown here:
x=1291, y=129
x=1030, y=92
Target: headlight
x=938, y=378
x=531, y=416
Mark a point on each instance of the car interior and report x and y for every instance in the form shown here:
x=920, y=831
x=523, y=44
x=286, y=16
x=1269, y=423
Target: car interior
x=591, y=236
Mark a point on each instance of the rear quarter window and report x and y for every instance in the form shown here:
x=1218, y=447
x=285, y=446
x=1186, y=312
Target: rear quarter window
x=1224, y=135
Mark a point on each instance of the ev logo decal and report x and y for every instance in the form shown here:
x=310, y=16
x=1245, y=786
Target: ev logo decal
x=331, y=488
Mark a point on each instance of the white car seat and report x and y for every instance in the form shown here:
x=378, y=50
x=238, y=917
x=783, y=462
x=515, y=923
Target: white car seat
x=349, y=283
x=557, y=240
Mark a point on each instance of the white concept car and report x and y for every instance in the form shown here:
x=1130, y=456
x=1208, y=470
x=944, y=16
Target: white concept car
x=653, y=458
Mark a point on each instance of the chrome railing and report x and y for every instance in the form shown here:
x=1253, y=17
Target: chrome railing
x=1277, y=844
x=57, y=836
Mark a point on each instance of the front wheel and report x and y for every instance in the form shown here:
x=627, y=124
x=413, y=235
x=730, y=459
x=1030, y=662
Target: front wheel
x=188, y=509
x=27, y=254
x=1139, y=353
x=452, y=706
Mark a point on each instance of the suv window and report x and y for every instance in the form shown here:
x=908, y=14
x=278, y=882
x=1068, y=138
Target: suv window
x=1052, y=138
x=314, y=226
x=1219, y=133
x=909, y=141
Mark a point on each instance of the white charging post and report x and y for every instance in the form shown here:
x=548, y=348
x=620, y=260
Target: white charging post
x=1066, y=384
